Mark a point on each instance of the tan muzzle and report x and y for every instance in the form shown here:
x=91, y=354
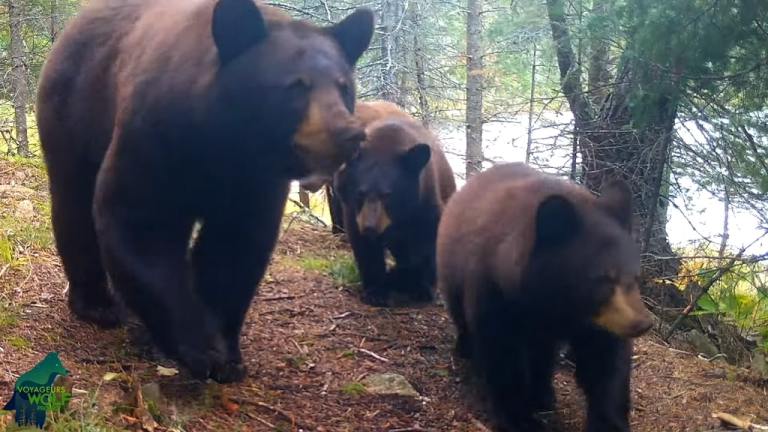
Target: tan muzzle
x=625, y=314
x=373, y=219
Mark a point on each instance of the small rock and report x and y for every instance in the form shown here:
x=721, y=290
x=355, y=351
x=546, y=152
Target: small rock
x=151, y=393
x=389, y=384
x=24, y=210
x=702, y=343
x=759, y=365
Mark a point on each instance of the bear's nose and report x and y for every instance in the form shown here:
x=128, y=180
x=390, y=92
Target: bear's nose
x=370, y=231
x=639, y=327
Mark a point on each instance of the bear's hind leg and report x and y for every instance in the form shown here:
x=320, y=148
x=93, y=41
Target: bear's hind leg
x=455, y=303
x=603, y=367
x=230, y=258
x=72, y=189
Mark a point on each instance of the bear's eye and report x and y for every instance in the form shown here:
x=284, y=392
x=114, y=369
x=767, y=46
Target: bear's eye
x=344, y=88
x=300, y=85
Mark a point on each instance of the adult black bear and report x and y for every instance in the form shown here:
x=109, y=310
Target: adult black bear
x=155, y=114
x=526, y=261
x=392, y=195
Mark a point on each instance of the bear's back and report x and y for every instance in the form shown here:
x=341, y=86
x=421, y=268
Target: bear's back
x=369, y=112
x=490, y=222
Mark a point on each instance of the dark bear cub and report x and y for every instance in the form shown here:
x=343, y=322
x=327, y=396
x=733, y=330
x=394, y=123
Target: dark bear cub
x=527, y=261
x=392, y=194
x=155, y=115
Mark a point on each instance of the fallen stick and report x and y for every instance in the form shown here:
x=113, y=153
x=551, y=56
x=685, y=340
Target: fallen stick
x=259, y=419
x=373, y=354
x=282, y=297
x=734, y=421
x=410, y=429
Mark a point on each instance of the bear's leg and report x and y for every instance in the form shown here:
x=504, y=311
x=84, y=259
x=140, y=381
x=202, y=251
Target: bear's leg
x=144, y=249
x=603, y=366
x=542, y=366
x=414, y=273
x=72, y=188
x=369, y=255
x=501, y=357
x=230, y=258
x=336, y=209
x=455, y=303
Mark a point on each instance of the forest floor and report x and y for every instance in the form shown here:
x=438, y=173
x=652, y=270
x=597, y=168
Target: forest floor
x=308, y=344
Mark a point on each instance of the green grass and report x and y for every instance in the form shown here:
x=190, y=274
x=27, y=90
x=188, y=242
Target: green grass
x=297, y=361
x=8, y=317
x=353, y=389
x=341, y=269
x=26, y=234
x=18, y=342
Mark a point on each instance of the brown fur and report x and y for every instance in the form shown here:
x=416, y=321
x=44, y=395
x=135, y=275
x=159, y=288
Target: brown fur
x=392, y=197
x=394, y=134
x=370, y=111
x=156, y=114
x=526, y=260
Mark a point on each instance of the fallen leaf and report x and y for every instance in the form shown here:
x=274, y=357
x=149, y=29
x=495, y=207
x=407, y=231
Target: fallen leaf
x=164, y=371
x=115, y=376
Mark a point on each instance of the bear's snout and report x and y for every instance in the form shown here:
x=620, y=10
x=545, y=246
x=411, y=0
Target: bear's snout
x=624, y=314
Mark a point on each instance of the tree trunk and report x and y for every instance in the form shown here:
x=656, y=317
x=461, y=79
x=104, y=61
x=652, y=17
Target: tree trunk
x=599, y=77
x=608, y=150
x=419, y=60
x=474, y=89
x=18, y=77
x=389, y=80
x=55, y=22
x=529, y=144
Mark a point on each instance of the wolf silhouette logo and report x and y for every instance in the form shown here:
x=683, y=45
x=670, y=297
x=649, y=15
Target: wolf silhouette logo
x=35, y=393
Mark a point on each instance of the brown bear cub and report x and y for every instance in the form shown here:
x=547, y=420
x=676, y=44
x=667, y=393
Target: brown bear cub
x=392, y=194
x=527, y=261
x=156, y=114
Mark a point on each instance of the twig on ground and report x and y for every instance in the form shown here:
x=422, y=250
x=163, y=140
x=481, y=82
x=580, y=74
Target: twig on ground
x=732, y=420
x=373, y=354
x=285, y=414
x=280, y=297
x=672, y=349
x=410, y=429
x=259, y=419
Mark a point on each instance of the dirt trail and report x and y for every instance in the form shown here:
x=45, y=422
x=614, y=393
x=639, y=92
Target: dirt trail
x=303, y=344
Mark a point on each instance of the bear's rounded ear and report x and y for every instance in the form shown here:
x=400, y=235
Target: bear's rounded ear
x=557, y=222
x=237, y=25
x=616, y=199
x=354, y=33
x=416, y=158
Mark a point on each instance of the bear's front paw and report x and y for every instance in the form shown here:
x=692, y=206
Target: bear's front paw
x=375, y=297
x=103, y=312
x=204, y=357
x=229, y=372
